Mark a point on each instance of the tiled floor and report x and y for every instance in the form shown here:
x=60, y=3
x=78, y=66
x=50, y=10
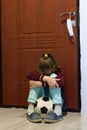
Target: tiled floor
x=15, y=119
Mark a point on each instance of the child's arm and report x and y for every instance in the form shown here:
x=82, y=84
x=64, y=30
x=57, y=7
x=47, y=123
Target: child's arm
x=52, y=82
x=60, y=76
x=33, y=79
x=33, y=76
x=34, y=84
x=58, y=81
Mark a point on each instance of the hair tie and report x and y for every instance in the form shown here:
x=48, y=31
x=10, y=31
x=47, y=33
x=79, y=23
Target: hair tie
x=46, y=55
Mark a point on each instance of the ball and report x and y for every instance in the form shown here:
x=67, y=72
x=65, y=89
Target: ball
x=43, y=106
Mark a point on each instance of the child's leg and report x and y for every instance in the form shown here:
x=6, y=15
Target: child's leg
x=30, y=108
x=55, y=94
x=32, y=98
x=58, y=109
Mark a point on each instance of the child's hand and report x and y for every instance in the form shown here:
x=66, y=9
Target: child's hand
x=52, y=82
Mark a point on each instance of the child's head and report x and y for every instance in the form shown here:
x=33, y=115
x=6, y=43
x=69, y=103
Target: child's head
x=47, y=64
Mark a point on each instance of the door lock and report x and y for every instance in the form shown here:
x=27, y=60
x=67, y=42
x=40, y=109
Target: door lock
x=70, y=23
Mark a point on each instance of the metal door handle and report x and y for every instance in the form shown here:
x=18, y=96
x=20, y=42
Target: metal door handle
x=72, y=14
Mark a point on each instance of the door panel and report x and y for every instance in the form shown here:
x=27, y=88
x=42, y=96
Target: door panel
x=29, y=29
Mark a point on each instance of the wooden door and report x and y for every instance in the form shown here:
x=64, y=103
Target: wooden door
x=29, y=29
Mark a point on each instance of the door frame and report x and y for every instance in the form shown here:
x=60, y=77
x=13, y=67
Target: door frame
x=0, y=60
x=79, y=71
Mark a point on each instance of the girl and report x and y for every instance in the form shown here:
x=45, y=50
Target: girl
x=46, y=81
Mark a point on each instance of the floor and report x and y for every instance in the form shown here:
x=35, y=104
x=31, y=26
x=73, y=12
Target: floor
x=15, y=119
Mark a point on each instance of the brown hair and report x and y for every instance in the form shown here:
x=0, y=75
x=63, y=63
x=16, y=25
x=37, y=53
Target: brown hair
x=47, y=64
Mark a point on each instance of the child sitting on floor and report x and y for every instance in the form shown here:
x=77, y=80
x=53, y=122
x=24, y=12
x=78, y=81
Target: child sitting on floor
x=46, y=81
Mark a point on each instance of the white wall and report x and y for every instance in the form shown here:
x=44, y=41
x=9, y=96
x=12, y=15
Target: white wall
x=83, y=45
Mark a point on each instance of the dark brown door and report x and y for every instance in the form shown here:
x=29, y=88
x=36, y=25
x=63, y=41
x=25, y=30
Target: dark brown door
x=29, y=29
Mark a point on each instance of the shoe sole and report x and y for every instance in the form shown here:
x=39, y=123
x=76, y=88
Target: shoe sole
x=52, y=121
x=35, y=121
